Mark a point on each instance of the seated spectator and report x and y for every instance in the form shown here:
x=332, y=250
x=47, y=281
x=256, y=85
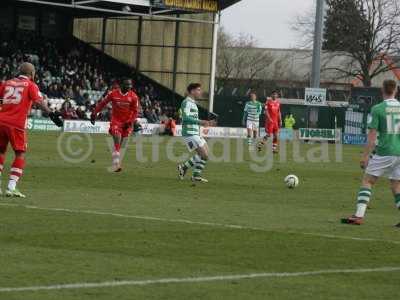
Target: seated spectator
x=146, y=102
x=68, y=112
x=78, y=96
x=81, y=113
x=54, y=92
x=163, y=118
x=149, y=116
x=155, y=116
x=69, y=93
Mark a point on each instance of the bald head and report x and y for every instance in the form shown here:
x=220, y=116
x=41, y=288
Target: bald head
x=27, y=69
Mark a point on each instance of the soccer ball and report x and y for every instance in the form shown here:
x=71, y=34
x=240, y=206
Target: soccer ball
x=291, y=181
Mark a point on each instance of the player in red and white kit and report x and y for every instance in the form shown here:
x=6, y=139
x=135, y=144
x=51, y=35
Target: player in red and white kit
x=125, y=105
x=17, y=96
x=273, y=121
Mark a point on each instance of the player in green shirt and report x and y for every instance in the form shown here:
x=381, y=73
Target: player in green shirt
x=384, y=127
x=251, y=118
x=191, y=134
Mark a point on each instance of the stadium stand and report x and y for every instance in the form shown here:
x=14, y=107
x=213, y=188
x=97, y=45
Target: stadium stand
x=75, y=75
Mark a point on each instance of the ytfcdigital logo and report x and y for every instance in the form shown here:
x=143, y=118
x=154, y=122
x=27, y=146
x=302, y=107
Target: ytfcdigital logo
x=76, y=148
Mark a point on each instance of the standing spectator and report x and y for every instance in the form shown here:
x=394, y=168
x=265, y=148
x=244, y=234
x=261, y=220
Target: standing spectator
x=290, y=121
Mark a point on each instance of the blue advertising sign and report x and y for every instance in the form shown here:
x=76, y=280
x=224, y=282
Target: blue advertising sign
x=354, y=139
x=286, y=134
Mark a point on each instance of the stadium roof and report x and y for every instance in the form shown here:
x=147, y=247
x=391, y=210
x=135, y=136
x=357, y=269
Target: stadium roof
x=147, y=8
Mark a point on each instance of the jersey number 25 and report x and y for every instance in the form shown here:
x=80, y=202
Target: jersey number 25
x=13, y=95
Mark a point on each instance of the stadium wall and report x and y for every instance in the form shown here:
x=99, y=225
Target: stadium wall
x=173, y=53
x=26, y=19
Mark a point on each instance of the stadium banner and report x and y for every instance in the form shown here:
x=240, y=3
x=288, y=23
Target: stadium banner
x=75, y=126
x=42, y=124
x=217, y=132
x=85, y=126
x=286, y=134
x=152, y=129
x=354, y=139
x=191, y=5
x=355, y=122
x=317, y=134
x=221, y=132
x=315, y=97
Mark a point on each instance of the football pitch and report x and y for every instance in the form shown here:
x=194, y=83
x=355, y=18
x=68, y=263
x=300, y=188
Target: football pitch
x=85, y=233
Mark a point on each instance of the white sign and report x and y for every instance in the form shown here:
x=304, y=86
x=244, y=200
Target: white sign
x=75, y=126
x=354, y=122
x=26, y=22
x=103, y=127
x=85, y=127
x=151, y=129
x=315, y=97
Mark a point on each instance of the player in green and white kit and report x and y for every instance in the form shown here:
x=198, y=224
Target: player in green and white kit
x=251, y=118
x=191, y=133
x=385, y=124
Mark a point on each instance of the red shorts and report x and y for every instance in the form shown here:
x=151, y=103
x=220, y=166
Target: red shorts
x=272, y=128
x=11, y=135
x=119, y=130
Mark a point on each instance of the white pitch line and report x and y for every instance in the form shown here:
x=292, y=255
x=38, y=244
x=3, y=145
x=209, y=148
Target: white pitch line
x=184, y=221
x=107, y=284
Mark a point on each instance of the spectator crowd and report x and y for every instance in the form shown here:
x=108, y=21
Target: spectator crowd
x=75, y=77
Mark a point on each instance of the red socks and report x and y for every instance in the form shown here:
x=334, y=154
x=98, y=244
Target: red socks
x=2, y=159
x=17, y=168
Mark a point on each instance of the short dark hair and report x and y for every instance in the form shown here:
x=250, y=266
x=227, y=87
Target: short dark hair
x=389, y=87
x=193, y=86
x=252, y=93
x=275, y=91
x=125, y=79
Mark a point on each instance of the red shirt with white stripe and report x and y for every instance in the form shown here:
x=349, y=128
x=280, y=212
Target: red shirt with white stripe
x=17, y=96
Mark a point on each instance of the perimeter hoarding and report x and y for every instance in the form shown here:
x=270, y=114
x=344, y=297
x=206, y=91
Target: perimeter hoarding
x=83, y=126
x=319, y=134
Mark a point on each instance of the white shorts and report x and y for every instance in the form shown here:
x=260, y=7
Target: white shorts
x=252, y=125
x=384, y=166
x=193, y=142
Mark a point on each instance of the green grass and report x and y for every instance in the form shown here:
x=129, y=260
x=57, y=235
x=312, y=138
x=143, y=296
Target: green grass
x=49, y=247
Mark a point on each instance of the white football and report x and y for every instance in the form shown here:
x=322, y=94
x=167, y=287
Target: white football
x=291, y=181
